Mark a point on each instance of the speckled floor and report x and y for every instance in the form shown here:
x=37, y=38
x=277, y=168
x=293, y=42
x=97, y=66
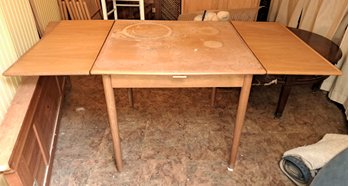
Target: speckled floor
x=174, y=136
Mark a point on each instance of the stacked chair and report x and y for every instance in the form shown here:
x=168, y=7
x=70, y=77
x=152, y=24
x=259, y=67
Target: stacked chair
x=78, y=9
x=128, y=9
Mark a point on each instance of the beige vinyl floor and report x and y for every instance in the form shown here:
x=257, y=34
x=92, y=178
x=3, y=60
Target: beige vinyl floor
x=175, y=137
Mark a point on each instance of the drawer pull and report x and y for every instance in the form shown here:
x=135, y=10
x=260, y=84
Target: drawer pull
x=179, y=77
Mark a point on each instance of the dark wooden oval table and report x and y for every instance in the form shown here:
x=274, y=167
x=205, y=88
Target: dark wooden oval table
x=325, y=47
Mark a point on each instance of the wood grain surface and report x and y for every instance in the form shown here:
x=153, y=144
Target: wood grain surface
x=69, y=49
x=175, y=48
x=282, y=52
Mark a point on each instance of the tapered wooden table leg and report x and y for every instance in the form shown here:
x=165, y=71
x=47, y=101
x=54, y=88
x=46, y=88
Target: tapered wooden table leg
x=130, y=97
x=111, y=107
x=242, y=106
x=213, y=95
x=284, y=95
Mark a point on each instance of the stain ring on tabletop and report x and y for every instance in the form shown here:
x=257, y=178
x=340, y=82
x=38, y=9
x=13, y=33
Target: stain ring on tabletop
x=208, y=30
x=141, y=31
x=213, y=44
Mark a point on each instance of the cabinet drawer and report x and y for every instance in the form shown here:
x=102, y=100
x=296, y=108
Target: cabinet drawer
x=161, y=81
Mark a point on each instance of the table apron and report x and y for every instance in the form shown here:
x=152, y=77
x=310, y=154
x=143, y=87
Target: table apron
x=179, y=81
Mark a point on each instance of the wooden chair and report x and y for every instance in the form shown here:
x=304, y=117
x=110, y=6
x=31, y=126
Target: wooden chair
x=123, y=3
x=78, y=9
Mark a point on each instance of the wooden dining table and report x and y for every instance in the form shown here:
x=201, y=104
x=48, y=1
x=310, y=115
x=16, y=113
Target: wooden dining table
x=167, y=54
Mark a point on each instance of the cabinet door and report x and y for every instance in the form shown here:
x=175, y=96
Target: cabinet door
x=31, y=156
x=32, y=160
x=44, y=122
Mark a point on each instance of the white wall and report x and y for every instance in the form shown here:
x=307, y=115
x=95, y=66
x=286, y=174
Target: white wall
x=18, y=33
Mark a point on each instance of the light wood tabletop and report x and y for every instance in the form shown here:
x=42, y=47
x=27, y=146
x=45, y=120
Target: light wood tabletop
x=164, y=54
x=175, y=48
x=175, y=54
x=282, y=52
x=69, y=49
